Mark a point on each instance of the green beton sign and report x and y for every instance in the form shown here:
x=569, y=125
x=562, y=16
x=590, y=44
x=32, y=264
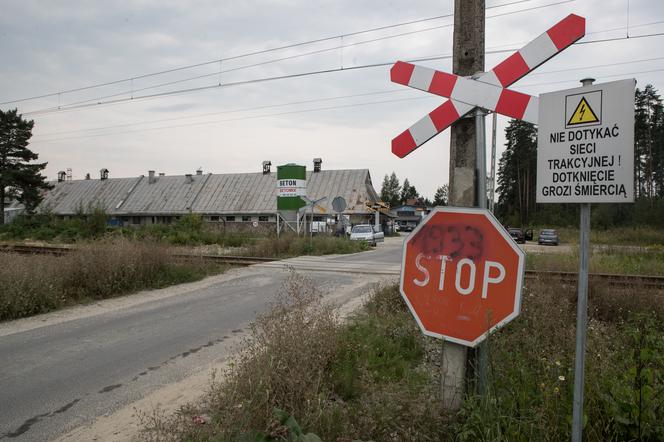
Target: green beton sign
x=291, y=186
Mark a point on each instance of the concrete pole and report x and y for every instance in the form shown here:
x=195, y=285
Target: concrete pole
x=480, y=148
x=581, y=315
x=467, y=59
x=493, y=162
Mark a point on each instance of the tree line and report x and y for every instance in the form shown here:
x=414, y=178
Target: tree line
x=517, y=175
x=20, y=176
x=396, y=194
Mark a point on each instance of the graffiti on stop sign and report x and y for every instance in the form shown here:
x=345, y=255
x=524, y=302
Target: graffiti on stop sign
x=450, y=240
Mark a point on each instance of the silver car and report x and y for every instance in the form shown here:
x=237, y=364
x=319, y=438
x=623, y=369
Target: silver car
x=548, y=236
x=368, y=233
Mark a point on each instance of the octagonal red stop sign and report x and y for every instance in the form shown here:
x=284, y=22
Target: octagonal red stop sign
x=462, y=274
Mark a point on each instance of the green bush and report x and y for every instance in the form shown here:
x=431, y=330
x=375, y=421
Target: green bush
x=531, y=364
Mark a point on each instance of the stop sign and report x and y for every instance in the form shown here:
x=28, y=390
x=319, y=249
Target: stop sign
x=461, y=274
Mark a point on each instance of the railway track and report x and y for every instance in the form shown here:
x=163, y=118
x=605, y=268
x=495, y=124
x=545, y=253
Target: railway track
x=63, y=250
x=614, y=280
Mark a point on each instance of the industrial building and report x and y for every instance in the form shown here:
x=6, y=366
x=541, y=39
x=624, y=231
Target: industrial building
x=233, y=200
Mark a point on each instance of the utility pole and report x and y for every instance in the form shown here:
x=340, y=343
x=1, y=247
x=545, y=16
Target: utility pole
x=467, y=60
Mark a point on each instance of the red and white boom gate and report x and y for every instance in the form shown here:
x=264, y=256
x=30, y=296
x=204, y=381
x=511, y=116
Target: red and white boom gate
x=488, y=90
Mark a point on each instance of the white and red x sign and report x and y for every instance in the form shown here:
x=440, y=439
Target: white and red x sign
x=488, y=91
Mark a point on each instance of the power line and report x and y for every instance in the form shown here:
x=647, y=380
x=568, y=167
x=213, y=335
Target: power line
x=601, y=76
x=249, y=54
x=291, y=57
x=302, y=110
x=289, y=76
x=343, y=106
x=315, y=100
x=596, y=66
x=247, y=109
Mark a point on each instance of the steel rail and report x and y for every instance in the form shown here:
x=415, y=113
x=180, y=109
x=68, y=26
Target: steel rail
x=612, y=279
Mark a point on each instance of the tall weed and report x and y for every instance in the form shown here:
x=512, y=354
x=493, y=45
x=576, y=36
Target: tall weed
x=38, y=284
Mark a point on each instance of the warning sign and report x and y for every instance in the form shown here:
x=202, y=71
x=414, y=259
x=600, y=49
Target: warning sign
x=583, y=109
x=585, y=145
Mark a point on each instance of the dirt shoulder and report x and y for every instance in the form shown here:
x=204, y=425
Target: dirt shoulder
x=125, y=424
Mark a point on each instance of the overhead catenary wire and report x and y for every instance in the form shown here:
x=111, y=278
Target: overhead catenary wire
x=301, y=111
x=249, y=54
x=251, y=117
x=132, y=91
x=289, y=76
x=340, y=97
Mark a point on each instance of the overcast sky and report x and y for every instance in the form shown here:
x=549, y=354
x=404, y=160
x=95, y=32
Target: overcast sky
x=348, y=118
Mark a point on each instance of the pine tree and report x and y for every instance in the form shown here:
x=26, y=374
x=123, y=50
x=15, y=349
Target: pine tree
x=648, y=140
x=390, y=190
x=408, y=192
x=19, y=177
x=517, y=171
x=440, y=198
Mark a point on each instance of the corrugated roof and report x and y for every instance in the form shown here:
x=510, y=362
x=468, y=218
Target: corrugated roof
x=71, y=197
x=249, y=193
x=167, y=194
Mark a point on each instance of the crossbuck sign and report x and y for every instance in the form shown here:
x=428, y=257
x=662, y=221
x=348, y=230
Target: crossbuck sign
x=488, y=90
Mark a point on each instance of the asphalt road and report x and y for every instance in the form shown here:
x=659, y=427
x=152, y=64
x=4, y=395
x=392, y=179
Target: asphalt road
x=62, y=370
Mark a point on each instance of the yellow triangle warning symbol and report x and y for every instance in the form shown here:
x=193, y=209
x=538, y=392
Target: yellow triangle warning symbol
x=583, y=114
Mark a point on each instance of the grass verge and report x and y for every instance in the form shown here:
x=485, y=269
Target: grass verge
x=190, y=230
x=624, y=236
x=292, y=245
x=603, y=260
x=37, y=283
x=375, y=376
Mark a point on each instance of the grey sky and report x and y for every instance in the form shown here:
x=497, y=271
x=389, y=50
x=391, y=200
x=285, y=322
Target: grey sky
x=50, y=46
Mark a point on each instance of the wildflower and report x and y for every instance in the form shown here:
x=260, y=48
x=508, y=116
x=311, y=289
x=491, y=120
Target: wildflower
x=561, y=378
x=556, y=390
x=558, y=363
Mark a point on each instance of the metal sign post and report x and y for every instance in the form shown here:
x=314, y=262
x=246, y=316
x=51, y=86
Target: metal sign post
x=581, y=315
x=312, y=203
x=585, y=154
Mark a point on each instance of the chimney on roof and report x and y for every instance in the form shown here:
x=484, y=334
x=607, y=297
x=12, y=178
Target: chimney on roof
x=103, y=174
x=188, y=178
x=317, y=164
x=61, y=176
x=151, y=178
x=199, y=171
x=87, y=176
x=162, y=174
x=266, y=167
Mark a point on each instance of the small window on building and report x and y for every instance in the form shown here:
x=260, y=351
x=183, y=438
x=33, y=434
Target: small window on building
x=263, y=218
x=318, y=218
x=214, y=218
x=230, y=218
x=246, y=219
x=135, y=219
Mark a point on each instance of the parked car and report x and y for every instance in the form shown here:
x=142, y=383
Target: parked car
x=368, y=233
x=520, y=235
x=548, y=236
x=517, y=234
x=407, y=226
